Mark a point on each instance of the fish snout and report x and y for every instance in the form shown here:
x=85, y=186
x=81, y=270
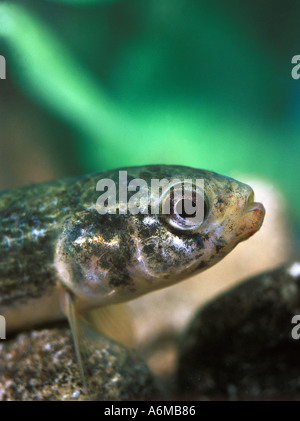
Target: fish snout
x=253, y=214
x=256, y=209
x=252, y=220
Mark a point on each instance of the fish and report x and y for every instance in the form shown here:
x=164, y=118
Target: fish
x=62, y=258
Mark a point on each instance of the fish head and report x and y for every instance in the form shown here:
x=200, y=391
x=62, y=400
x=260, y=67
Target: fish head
x=114, y=257
x=171, y=246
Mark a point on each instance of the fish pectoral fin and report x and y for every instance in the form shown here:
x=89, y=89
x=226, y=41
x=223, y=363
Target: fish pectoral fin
x=77, y=330
x=89, y=330
x=114, y=321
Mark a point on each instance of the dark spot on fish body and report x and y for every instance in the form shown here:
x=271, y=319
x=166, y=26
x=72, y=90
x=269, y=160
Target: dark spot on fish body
x=114, y=260
x=205, y=237
x=219, y=248
x=145, y=175
x=147, y=230
x=201, y=265
x=164, y=268
x=149, y=249
x=73, y=233
x=230, y=228
x=157, y=171
x=220, y=200
x=199, y=241
x=77, y=273
x=22, y=223
x=122, y=279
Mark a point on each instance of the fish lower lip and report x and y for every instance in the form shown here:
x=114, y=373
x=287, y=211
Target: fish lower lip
x=255, y=207
x=252, y=220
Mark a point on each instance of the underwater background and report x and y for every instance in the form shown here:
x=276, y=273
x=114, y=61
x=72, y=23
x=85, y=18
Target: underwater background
x=92, y=85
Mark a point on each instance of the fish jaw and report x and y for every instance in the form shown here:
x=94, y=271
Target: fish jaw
x=251, y=215
x=251, y=221
x=243, y=216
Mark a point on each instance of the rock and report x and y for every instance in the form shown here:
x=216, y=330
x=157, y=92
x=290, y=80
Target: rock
x=41, y=365
x=239, y=346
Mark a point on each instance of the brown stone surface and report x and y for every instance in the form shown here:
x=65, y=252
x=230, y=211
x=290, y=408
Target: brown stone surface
x=40, y=365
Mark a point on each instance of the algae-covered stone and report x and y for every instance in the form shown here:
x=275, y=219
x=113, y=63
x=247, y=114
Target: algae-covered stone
x=41, y=365
x=240, y=344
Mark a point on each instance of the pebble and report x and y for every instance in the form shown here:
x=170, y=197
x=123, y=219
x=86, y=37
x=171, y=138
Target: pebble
x=240, y=345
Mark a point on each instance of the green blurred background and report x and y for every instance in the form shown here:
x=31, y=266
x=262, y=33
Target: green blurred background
x=98, y=84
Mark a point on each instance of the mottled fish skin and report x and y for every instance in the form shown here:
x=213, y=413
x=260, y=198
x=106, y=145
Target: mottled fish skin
x=52, y=237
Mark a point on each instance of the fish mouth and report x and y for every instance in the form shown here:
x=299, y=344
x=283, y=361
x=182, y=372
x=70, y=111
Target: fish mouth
x=253, y=216
x=257, y=212
x=256, y=207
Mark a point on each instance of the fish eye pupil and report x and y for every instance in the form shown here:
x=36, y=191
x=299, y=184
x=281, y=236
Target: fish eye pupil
x=180, y=208
x=186, y=210
x=183, y=204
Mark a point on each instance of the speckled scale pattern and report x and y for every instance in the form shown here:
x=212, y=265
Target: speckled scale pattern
x=31, y=218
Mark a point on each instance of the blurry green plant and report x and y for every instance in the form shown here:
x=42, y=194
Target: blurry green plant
x=81, y=2
x=215, y=128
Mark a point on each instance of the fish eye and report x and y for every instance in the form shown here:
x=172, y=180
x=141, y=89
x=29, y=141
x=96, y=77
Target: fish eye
x=183, y=204
x=188, y=210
